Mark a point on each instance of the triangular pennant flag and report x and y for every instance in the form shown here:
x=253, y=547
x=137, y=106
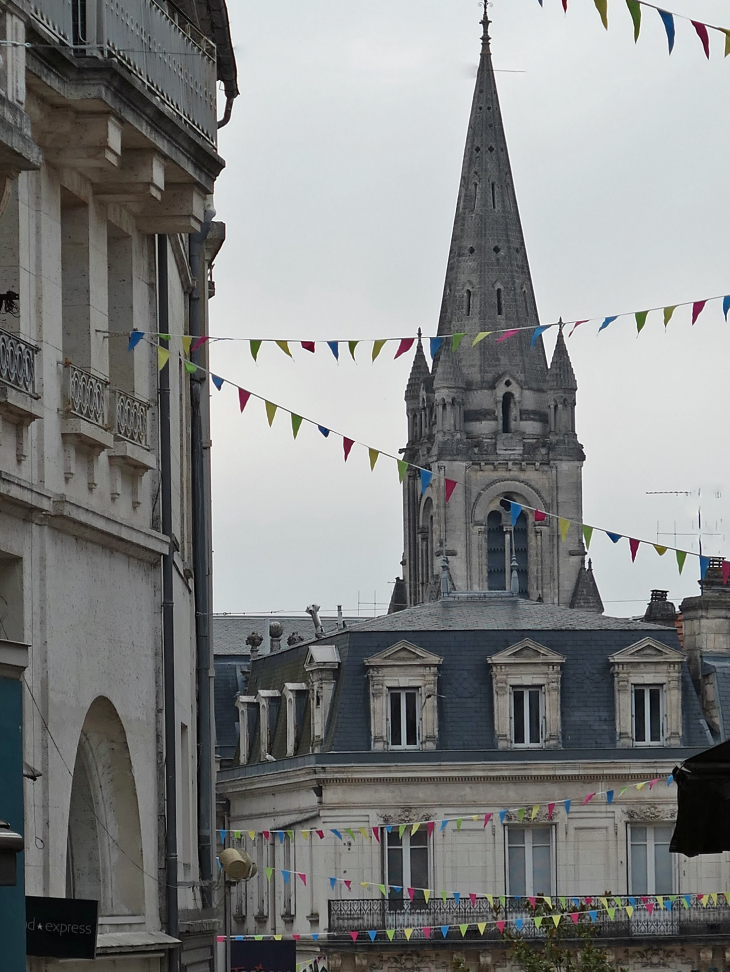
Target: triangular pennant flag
x=502, y=815
x=629, y=910
x=640, y=320
x=444, y=825
x=481, y=925
x=266, y=834
x=402, y=469
x=426, y=894
x=681, y=557
x=487, y=818
x=280, y=835
x=408, y=932
x=578, y=324
x=255, y=346
x=659, y=549
x=163, y=356
x=515, y=510
x=564, y=526
x=456, y=340
x=551, y=810
x=614, y=537
x=725, y=571
x=500, y=926
x=540, y=517
x=609, y=796
x=699, y=305
x=668, y=21
x=574, y=916
x=561, y=899
x=378, y=347
x=223, y=836
x=334, y=348
x=457, y=896
x=622, y=791
x=353, y=936
x=308, y=346
x=199, y=343
x=705, y=38
x=218, y=382
x=633, y=546
x=405, y=345
x=567, y=805
x=320, y=834
x=365, y=884
x=704, y=564
x=284, y=345
x=727, y=45
x=602, y=8
x=302, y=877
x=426, y=931
x=490, y=899
x=243, y=397
x=640, y=786
x=444, y=930
x=352, y=345
x=435, y=344
x=426, y=477
x=348, y=885
x=190, y=367
x=443, y=895
x=607, y=320
x=585, y=801
x=258, y=938
x=411, y=893
x=252, y=834
x=390, y=932
x=449, y=487
x=337, y=834
x=537, y=332
x=538, y=920
x=270, y=411
x=376, y=833
x=402, y=830
x=325, y=432
x=480, y=337
x=635, y=11
x=136, y=336
x=347, y=444
x=315, y=936
x=269, y=872
x=381, y=888
x=364, y=832
x=164, y=337
x=508, y=334
x=521, y=814
x=278, y=938
x=349, y=832
x=373, y=454
x=535, y=811
x=285, y=875
x=296, y=421
x=587, y=535
x=371, y=935
x=556, y=919
x=429, y=827
x=473, y=899
x=414, y=827
x=463, y=929
x=726, y=300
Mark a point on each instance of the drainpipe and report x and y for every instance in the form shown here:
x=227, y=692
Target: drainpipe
x=202, y=570
x=168, y=630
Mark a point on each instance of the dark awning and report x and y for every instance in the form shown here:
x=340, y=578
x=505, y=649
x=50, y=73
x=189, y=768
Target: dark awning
x=703, y=815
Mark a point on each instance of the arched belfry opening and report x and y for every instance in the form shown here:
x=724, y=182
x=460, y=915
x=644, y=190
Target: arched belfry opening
x=104, y=850
x=508, y=404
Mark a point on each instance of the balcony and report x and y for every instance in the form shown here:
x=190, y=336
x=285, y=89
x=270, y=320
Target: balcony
x=17, y=362
x=697, y=922
x=154, y=41
x=130, y=418
x=86, y=395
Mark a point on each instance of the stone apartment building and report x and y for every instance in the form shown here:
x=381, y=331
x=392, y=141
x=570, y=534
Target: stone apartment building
x=108, y=159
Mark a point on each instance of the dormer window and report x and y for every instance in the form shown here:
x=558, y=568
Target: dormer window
x=526, y=694
x=403, y=698
x=528, y=716
x=648, y=694
x=403, y=721
x=648, y=728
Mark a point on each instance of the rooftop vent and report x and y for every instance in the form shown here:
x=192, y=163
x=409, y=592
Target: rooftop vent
x=659, y=595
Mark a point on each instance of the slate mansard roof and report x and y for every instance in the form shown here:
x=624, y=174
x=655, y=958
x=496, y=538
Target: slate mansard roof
x=465, y=631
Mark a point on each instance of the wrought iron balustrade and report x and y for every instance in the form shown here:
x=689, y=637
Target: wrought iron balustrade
x=17, y=362
x=86, y=395
x=130, y=417
x=153, y=40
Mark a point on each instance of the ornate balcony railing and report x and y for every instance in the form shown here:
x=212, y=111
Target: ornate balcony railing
x=696, y=922
x=86, y=395
x=153, y=40
x=17, y=362
x=130, y=418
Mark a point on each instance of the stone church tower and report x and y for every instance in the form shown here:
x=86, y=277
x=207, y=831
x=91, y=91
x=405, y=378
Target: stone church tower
x=493, y=417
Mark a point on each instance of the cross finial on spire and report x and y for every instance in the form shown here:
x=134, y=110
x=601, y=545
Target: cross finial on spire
x=485, y=22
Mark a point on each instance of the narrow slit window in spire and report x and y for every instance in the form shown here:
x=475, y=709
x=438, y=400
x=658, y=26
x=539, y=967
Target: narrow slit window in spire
x=468, y=303
x=500, y=308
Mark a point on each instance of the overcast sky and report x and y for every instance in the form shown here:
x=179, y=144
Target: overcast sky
x=343, y=162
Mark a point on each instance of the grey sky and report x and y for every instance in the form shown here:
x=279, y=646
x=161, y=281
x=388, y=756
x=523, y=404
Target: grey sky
x=343, y=162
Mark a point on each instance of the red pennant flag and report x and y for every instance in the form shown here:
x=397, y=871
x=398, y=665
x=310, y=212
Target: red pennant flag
x=199, y=343
x=450, y=485
x=551, y=810
x=308, y=346
x=574, y=916
x=487, y=818
x=426, y=932
x=533, y=901
x=347, y=444
x=634, y=545
x=376, y=833
x=353, y=936
x=266, y=834
x=588, y=798
x=296, y=937
x=243, y=397
x=348, y=885
x=578, y=324
x=540, y=517
x=500, y=925
x=508, y=334
x=725, y=571
x=429, y=828
x=411, y=893
x=650, y=906
x=320, y=834
x=704, y=37
x=303, y=877
x=405, y=345
x=473, y=899
x=699, y=305
x=565, y=5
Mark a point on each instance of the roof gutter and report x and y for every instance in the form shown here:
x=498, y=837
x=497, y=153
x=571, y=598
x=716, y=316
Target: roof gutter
x=226, y=59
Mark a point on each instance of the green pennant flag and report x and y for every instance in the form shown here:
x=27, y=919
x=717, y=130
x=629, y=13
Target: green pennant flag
x=290, y=834
x=269, y=872
x=352, y=345
x=258, y=938
x=378, y=347
x=270, y=412
x=502, y=900
x=521, y=814
x=602, y=8
x=255, y=346
x=373, y=453
x=562, y=901
x=463, y=929
x=587, y=535
x=635, y=11
x=668, y=311
x=349, y=832
x=402, y=469
x=727, y=41
x=458, y=824
x=538, y=921
x=296, y=421
x=456, y=340
x=622, y=790
x=401, y=830
x=284, y=345
x=237, y=834
x=640, y=320
x=190, y=367
x=390, y=932
x=611, y=912
x=681, y=557
x=381, y=888
x=443, y=894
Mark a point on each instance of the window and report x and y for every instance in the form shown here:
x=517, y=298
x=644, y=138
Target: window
x=288, y=907
x=527, y=716
x=262, y=883
x=519, y=539
x=468, y=303
x=500, y=308
x=403, y=719
x=650, y=864
x=508, y=401
x=406, y=866
x=529, y=861
x=494, y=196
x=495, y=552
x=648, y=715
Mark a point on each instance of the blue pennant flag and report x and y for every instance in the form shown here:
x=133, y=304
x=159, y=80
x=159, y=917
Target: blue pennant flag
x=444, y=930
x=457, y=896
x=632, y=902
x=593, y=914
x=609, y=796
x=519, y=922
x=333, y=882
x=670, y=779
x=537, y=332
x=444, y=824
x=285, y=875
x=325, y=432
x=426, y=478
x=334, y=348
x=372, y=935
x=567, y=806
x=337, y=834
x=218, y=382
x=502, y=815
x=687, y=899
x=280, y=835
x=136, y=336
x=515, y=510
x=725, y=305
x=436, y=344
x=608, y=320
x=668, y=21
x=397, y=888
x=223, y=836
x=576, y=902
x=704, y=564
x=613, y=537
x=389, y=828
x=219, y=863
x=315, y=936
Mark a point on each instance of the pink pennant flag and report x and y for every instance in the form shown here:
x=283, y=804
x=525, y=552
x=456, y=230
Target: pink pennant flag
x=634, y=546
x=500, y=925
x=405, y=345
x=533, y=901
x=347, y=444
x=704, y=37
x=353, y=936
x=588, y=798
x=199, y=343
x=588, y=901
x=266, y=834
x=308, y=346
x=411, y=893
x=348, y=885
x=699, y=305
x=426, y=932
x=551, y=810
x=320, y=834
x=296, y=937
x=540, y=517
x=450, y=486
x=578, y=324
x=487, y=818
x=508, y=334
x=243, y=397
x=725, y=571
x=376, y=833
x=473, y=899
x=303, y=877
x=429, y=827
x=651, y=785
x=650, y=906
x=574, y=916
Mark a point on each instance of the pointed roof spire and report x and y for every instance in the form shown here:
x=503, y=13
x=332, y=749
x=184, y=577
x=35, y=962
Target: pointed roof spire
x=419, y=371
x=586, y=596
x=561, y=372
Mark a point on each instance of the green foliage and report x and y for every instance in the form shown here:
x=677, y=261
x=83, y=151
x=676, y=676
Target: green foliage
x=553, y=953
x=458, y=964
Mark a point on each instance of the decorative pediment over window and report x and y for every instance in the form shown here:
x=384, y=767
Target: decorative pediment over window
x=526, y=685
x=404, y=670
x=648, y=694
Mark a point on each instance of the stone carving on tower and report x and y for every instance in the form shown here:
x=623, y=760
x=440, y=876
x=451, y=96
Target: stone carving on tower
x=494, y=417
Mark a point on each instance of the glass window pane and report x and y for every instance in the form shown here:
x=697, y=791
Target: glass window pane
x=395, y=865
x=419, y=868
x=516, y=868
x=639, y=877
x=639, y=717
x=395, y=721
x=655, y=714
x=540, y=868
x=662, y=867
x=515, y=836
x=534, y=716
x=541, y=836
x=518, y=716
x=411, y=725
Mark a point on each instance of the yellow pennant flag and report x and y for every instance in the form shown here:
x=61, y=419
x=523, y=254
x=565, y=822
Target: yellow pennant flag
x=668, y=311
x=378, y=347
x=602, y=8
x=629, y=910
x=564, y=526
x=363, y=884
x=163, y=356
x=364, y=832
x=604, y=902
x=556, y=919
x=373, y=453
x=270, y=411
x=187, y=340
x=490, y=899
x=535, y=811
x=426, y=894
x=305, y=834
x=659, y=549
x=352, y=345
x=727, y=41
x=640, y=786
x=480, y=337
x=660, y=900
x=277, y=938
x=714, y=897
x=408, y=932
x=402, y=469
x=284, y=345
x=548, y=901
x=481, y=925
x=415, y=827
x=252, y=834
